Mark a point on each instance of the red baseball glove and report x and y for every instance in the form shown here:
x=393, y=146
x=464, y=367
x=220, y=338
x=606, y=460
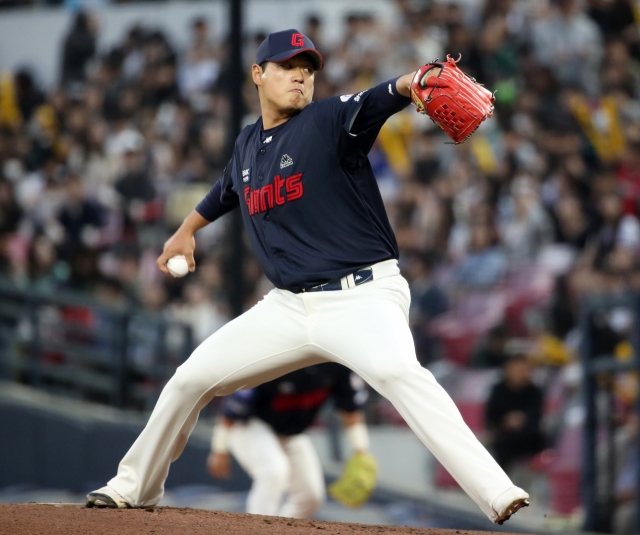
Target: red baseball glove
x=453, y=100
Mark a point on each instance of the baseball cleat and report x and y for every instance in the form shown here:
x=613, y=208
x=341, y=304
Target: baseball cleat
x=509, y=503
x=106, y=497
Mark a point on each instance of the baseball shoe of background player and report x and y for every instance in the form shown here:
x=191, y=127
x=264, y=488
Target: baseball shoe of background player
x=509, y=503
x=106, y=497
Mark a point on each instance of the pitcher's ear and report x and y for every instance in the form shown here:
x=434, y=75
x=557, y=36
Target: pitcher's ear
x=256, y=74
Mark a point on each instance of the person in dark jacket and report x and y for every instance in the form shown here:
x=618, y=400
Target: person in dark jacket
x=514, y=412
x=79, y=47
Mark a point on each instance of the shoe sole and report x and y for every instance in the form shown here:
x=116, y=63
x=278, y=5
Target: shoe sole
x=513, y=509
x=103, y=501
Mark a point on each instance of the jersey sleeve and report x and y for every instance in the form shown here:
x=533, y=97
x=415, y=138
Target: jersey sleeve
x=349, y=390
x=359, y=117
x=221, y=199
x=378, y=104
x=240, y=406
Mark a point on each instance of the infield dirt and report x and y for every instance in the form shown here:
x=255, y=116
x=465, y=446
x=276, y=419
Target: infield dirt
x=74, y=519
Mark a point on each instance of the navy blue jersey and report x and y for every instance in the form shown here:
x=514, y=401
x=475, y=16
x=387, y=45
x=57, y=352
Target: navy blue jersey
x=308, y=195
x=290, y=404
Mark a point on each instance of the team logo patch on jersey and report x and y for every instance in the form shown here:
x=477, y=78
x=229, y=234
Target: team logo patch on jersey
x=286, y=161
x=344, y=98
x=268, y=140
x=246, y=175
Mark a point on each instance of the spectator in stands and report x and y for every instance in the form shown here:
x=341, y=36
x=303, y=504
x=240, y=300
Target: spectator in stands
x=10, y=211
x=28, y=95
x=613, y=247
x=199, y=311
x=622, y=71
x=313, y=30
x=613, y=17
x=486, y=263
x=134, y=183
x=212, y=140
x=81, y=218
x=201, y=39
x=428, y=301
x=111, y=83
x=133, y=57
x=99, y=169
x=200, y=67
x=462, y=43
x=128, y=275
x=525, y=225
x=571, y=222
x=513, y=414
x=84, y=273
x=569, y=42
x=423, y=41
x=44, y=271
x=492, y=352
x=498, y=65
x=10, y=218
x=78, y=50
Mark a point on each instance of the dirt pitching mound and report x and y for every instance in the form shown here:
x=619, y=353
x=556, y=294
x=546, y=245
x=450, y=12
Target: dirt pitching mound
x=75, y=519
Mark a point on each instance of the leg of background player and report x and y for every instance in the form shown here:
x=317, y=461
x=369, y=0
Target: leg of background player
x=261, y=454
x=306, y=489
x=366, y=329
x=266, y=342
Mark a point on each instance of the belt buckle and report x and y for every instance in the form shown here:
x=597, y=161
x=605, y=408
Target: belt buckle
x=359, y=277
x=363, y=275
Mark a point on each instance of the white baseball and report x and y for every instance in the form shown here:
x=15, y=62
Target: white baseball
x=177, y=266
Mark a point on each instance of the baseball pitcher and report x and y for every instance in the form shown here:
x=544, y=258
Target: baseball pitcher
x=316, y=221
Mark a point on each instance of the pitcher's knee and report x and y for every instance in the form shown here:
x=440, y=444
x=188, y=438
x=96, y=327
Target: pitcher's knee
x=187, y=381
x=392, y=371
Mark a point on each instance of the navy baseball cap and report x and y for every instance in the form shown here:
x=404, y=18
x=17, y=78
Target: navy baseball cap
x=281, y=46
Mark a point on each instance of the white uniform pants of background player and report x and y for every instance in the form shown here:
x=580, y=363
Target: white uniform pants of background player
x=278, y=466
x=365, y=328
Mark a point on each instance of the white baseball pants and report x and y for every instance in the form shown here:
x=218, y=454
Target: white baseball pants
x=365, y=328
x=278, y=466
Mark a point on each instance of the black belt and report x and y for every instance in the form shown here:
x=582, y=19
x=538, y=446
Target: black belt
x=359, y=277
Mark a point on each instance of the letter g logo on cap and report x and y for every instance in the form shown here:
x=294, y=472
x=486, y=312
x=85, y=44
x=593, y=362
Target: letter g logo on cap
x=297, y=39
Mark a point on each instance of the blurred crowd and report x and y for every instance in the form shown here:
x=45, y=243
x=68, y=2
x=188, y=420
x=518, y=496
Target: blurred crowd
x=539, y=207
x=500, y=238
